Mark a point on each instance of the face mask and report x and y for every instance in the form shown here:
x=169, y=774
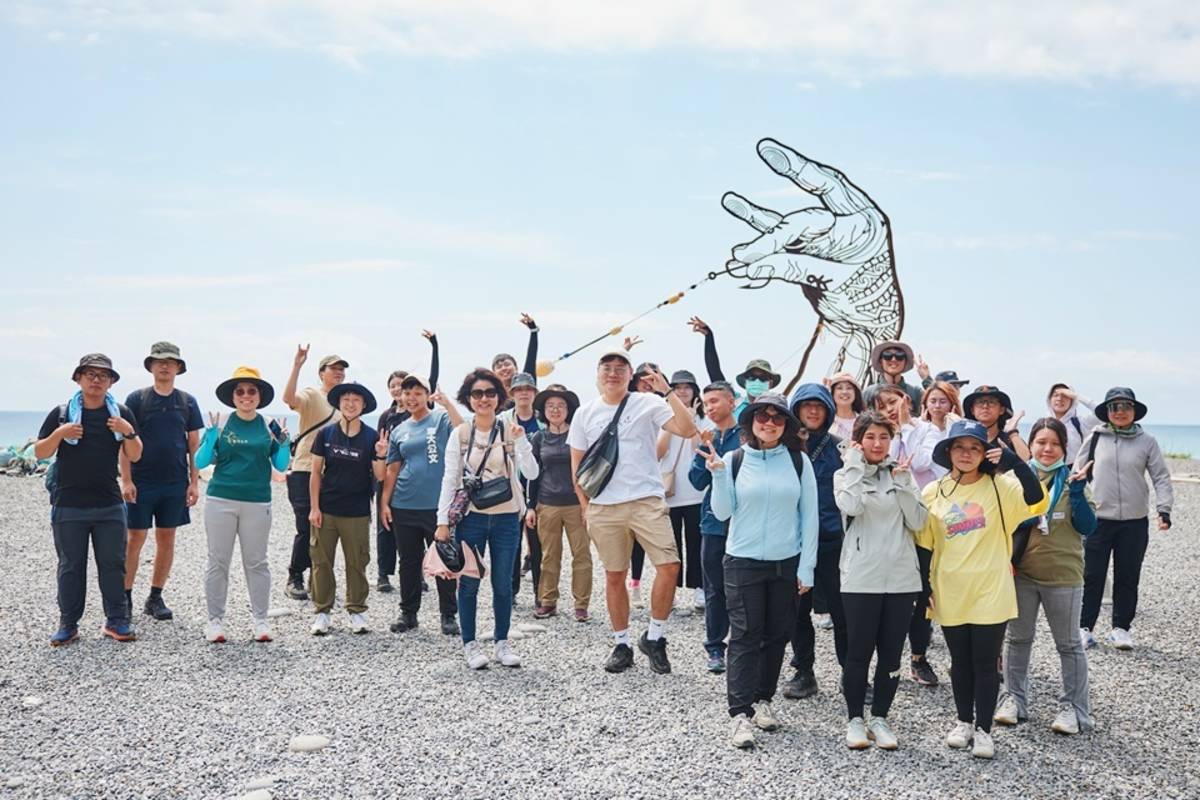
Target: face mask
x=1048, y=467
x=756, y=388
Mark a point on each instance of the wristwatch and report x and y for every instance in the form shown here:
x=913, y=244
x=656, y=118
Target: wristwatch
x=133, y=435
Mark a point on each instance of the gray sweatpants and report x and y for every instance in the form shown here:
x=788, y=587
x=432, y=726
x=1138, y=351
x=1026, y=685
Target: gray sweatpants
x=1062, y=605
x=249, y=523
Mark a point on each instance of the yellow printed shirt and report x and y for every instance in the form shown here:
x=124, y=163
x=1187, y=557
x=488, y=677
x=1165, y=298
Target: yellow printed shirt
x=971, y=575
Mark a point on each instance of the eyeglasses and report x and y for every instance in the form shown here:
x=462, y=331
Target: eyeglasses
x=1119, y=406
x=479, y=394
x=893, y=355
x=95, y=375
x=986, y=402
x=614, y=369
x=246, y=391
x=766, y=416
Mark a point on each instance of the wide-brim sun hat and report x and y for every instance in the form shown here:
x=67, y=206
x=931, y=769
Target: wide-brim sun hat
x=244, y=374
x=846, y=377
x=561, y=392
x=95, y=361
x=963, y=428
x=163, y=351
x=769, y=400
x=682, y=377
x=1121, y=393
x=984, y=390
x=759, y=365
x=877, y=352
x=337, y=392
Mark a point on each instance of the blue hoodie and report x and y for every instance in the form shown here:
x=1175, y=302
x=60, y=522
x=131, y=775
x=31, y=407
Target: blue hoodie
x=773, y=515
x=823, y=452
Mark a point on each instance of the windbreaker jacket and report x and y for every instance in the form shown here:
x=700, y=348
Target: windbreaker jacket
x=725, y=441
x=883, y=511
x=1119, y=474
x=822, y=449
x=772, y=514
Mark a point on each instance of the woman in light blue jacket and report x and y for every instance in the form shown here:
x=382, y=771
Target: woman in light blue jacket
x=767, y=491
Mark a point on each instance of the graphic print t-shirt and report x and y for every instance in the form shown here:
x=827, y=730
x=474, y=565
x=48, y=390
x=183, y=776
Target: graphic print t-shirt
x=970, y=534
x=347, y=484
x=420, y=446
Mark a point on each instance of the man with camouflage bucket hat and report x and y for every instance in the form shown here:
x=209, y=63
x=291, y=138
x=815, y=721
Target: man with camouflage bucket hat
x=160, y=488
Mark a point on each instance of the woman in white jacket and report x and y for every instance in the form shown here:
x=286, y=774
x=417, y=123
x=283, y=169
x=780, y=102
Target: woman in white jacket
x=880, y=577
x=481, y=451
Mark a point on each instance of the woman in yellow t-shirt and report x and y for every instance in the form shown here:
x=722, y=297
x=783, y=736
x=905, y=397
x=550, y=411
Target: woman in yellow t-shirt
x=973, y=512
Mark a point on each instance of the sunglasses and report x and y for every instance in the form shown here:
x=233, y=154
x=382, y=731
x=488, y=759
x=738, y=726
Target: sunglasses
x=764, y=417
x=893, y=355
x=1122, y=405
x=479, y=394
x=246, y=391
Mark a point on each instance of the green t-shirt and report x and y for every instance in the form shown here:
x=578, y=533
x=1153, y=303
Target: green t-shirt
x=1054, y=555
x=243, y=461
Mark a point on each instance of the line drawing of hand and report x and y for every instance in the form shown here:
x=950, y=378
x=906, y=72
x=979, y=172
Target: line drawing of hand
x=840, y=254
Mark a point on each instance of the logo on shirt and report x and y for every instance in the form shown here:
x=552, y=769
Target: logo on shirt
x=431, y=448
x=961, y=521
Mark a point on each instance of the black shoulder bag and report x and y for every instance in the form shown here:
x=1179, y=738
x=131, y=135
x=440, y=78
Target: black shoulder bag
x=492, y=492
x=598, y=463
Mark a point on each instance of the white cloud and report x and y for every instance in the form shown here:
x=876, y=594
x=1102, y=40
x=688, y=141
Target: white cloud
x=361, y=265
x=180, y=282
x=1155, y=41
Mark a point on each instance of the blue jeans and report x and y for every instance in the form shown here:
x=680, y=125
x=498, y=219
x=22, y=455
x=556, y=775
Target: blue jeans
x=716, y=616
x=503, y=533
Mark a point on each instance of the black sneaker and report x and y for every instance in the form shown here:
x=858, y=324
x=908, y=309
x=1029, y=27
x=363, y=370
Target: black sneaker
x=405, y=622
x=449, y=625
x=384, y=585
x=922, y=672
x=295, y=589
x=155, y=607
x=620, y=659
x=803, y=684
x=656, y=651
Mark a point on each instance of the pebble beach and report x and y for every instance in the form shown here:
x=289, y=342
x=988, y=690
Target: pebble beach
x=400, y=715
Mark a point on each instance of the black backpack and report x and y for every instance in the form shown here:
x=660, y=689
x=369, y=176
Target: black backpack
x=182, y=399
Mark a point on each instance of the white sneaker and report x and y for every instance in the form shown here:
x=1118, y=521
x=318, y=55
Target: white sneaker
x=856, y=735
x=823, y=621
x=1120, y=639
x=764, y=717
x=983, y=744
x=698, y=599
x=635, y=596
x=960, y=735
x=1067, y=722
x=320, y=625
x=505, y=655
x=1085, y=636
x=214, y=631
x=358, y=623
x=1006, y=710
x=882, y=735
x=262, y=631
x=476, y=659
x=742, y=735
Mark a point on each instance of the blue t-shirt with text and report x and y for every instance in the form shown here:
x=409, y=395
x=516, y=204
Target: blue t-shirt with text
x=421, y=446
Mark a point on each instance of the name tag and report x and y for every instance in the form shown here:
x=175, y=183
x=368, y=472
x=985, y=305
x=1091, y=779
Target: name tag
x=1059, y=515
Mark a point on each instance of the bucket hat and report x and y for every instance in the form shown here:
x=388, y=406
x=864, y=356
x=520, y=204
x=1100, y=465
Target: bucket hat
x=522, y=379
x=769, y=400
x=761, y=365
x=353, y=387
x=984, y=390
x=963, y=428
x=244, y=374
x=878, y=350
x=1121, y=393
x=561, y=392
x=161, y=351
x=97, y=361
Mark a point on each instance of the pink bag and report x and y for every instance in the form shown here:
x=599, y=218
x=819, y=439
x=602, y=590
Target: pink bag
x=434, y=565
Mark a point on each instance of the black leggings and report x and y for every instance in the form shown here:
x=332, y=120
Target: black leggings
x=875, y=623
x=974, y=654
x=685, y=522
x=920, y=631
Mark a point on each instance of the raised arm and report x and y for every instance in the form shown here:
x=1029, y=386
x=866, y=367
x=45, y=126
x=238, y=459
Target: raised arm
x=289, y=391
x=712, y=362
x=532, y=350
x=434, y=363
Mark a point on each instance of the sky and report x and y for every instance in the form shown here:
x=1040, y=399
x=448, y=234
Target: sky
x=242, y=176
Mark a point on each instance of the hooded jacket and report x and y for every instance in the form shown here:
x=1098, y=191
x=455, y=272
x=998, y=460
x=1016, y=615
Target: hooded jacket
x=822, y=449
x=884, y=510
x=1079, y=421
x=772, y=514
x=1119, y=474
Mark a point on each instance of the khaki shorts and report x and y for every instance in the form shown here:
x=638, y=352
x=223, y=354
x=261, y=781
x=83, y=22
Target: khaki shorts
x=614, y=528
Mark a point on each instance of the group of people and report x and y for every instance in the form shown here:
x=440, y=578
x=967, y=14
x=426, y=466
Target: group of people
x=887, y=507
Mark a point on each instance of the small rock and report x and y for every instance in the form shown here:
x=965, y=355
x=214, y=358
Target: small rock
x=257, y=794
x=31, y=701
x=485, y=637
x=279, y=612
x=15, y=782
x=532, y=627
x=308, y=744
x=529, y=720
x=516, y=635
x=265, y=782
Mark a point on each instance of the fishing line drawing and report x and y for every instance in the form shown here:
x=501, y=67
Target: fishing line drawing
x=839, y=253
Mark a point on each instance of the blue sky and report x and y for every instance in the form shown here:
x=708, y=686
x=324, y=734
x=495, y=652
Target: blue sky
x=252, y=176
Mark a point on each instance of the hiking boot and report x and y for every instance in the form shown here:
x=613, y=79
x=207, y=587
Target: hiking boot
x=656, y=651
x=922, y=672
x=856, y=735
x=742, y=735
x=295, y=589
x=764, y=717
x=879, y=732
x=1006, y=710
x=803, y=684
x=405, y=622
x=983, y=747
x=155, y=607
x=544, y=612
x=64, y=636
x=384, y=585
x=120, y=630
x=960, y=735
x=476, y=658
x=320, y=626
x=505, y=655
x=716, y=663
x=620, y=659
x=582, y=615
x=449, y=625
x=1067, y=722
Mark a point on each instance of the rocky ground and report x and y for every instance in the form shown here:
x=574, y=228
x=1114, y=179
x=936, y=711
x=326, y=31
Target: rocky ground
x=171, y=716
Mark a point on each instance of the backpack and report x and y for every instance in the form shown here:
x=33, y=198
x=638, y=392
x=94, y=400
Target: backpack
x=740, y=454
x=51, y=479
x=182, y=399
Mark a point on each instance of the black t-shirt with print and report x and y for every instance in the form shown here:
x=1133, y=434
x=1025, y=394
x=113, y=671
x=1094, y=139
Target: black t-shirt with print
x=347, y=481
x=87, y=470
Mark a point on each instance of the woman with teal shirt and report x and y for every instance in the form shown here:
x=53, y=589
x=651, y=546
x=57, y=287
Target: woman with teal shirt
x=238, y=507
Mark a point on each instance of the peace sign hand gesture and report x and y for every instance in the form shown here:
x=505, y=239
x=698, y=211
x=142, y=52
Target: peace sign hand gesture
x=527, y=321
x=381, y=446
x=711, y=460
x=430, y=335
x=214, y=419
x=632, y=342
x=902, y=465
x=1080, y=473
x=1012, y=424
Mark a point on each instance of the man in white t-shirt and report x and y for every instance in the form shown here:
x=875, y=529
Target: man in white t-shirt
x=632, y=505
